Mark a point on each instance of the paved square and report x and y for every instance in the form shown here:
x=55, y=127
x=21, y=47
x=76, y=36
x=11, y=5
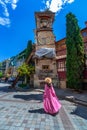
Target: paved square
x=24, y=111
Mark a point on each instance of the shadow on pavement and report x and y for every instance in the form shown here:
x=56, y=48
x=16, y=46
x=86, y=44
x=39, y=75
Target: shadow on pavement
x=30, y=97
x=6, y=89
x=80, y=111
x=41, y=111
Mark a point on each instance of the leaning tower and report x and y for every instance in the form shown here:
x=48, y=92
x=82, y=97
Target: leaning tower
x=45, y=56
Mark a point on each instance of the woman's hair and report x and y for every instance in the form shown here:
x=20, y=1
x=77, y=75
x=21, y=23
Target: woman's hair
x=48, y=80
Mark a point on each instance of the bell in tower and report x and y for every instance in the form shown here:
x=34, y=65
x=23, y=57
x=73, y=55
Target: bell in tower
x=45, y=56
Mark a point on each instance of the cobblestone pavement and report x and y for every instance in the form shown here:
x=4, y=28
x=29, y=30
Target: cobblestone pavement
x=24, y=111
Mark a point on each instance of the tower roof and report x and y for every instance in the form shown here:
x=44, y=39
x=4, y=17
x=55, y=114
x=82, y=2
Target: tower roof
x=47, y=13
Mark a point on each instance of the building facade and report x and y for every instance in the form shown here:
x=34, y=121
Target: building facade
x=5, y=66
x=61, y=59
x=9, y=66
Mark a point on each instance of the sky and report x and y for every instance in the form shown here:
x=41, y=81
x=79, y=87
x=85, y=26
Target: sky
x=17, y=21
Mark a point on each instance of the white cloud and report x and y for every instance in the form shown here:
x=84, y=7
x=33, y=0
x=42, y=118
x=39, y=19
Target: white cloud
x=14, y=4
x=4, y=17
x=48, y=4
x=56, y=5
x=5, y=13
x=68, y=1
x=4, y=21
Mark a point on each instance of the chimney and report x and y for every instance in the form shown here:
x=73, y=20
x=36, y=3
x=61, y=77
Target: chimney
x=86, y=24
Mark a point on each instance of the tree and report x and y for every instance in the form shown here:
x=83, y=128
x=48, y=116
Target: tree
x=28, y=49
x=0, y=64
x=1, y=74
x=25, y=70
x=75, y=52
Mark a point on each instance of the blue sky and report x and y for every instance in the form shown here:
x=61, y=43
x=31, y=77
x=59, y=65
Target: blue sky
x=17, y=21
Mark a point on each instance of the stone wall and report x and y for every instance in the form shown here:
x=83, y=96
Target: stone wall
x=41, y=73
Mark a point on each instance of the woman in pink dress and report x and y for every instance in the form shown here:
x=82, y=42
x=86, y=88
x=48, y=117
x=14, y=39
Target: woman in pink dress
x=50, y=100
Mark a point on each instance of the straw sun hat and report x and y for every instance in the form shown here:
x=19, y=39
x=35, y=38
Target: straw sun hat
x=48, y=80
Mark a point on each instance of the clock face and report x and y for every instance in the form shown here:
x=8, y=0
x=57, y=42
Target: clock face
x=45, y=38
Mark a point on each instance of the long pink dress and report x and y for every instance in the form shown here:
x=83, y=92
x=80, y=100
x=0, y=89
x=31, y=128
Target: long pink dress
x=50, y=100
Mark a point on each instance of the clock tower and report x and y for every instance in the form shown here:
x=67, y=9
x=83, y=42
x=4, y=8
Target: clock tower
x=45, y=55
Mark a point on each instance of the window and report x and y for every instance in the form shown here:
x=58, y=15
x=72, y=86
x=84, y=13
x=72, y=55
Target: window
x=61, y=66
x=84, y=34
x=45, y=67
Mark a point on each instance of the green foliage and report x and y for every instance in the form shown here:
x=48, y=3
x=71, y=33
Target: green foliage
x=26, y=70
x=28, y=49
x=0, y=64
x=75, y=52
x=23, y=70
x=22, y=54
x=22, y=85
x=1, y=75
x=31, y=69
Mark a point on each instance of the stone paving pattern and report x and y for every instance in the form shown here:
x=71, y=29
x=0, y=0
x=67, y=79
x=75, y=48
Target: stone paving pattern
x=24, y=111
